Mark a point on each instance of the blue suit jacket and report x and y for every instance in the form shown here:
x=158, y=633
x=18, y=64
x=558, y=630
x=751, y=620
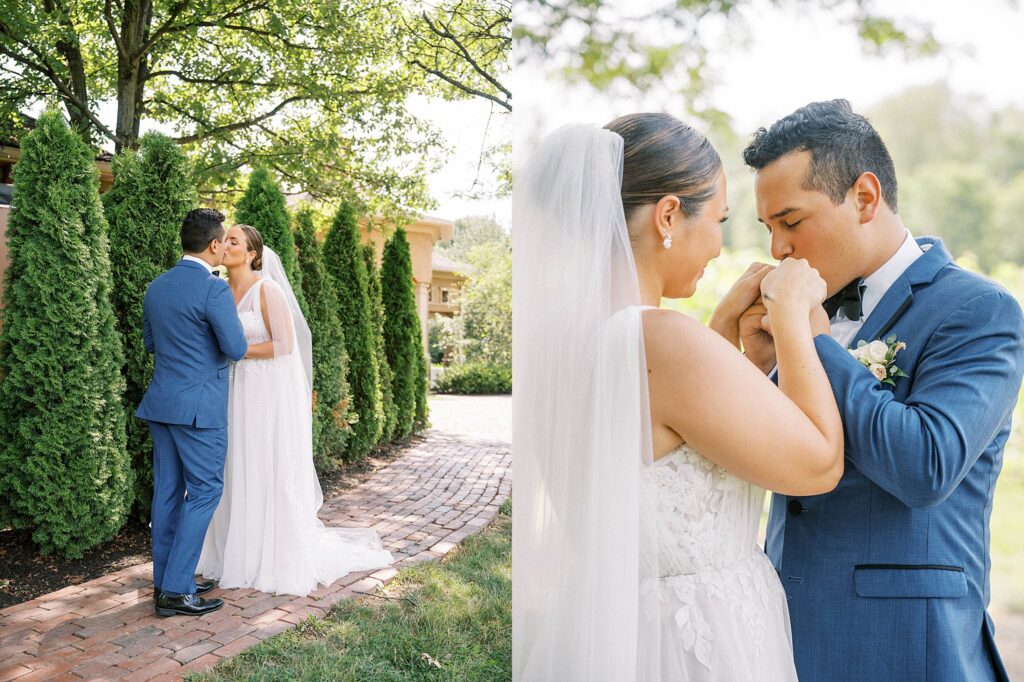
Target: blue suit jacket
x=190, y=323
x=888, y=575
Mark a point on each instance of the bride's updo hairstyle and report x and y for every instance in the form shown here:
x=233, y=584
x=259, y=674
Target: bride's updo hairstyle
x=662, y=156
x=253, y=242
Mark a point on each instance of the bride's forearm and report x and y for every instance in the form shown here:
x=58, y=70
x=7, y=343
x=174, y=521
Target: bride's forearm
x=802, y=377
x=260, y=351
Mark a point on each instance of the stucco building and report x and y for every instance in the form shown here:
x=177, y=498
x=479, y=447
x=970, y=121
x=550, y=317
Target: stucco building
x=422, y=234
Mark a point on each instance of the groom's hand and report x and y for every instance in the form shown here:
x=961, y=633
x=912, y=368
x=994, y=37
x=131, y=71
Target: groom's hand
x=755, y=335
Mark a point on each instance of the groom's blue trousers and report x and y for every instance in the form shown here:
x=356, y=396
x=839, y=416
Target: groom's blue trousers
x=188, y=479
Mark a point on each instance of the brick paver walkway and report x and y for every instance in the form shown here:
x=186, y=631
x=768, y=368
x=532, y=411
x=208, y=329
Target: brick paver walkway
x=423, y=504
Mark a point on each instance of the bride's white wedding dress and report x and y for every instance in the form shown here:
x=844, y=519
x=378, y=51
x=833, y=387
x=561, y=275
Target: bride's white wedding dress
x=722, y=608
x=265, y=533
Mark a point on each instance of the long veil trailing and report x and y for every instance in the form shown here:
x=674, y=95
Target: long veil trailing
x=273, y=270
x=584, y=546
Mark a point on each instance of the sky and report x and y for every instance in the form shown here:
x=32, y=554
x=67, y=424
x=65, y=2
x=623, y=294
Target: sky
x=793, y=56
x=467, y=125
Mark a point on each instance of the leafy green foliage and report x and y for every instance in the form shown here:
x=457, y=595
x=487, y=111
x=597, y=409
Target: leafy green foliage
x=152, y=192
x=463, y=46
x=961, y=170
x=475, y=378
x=422, y=420
x=487, y=304
x=316, y=91
x=343, y=261
x=263, y=207
x=470, y=232
x=332, y=412
x=64, y=469
x=403, y=341
x=444, y=338
x=387, y=393
x=609, y=45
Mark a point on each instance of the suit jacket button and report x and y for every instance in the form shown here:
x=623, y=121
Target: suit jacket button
x=795, y=508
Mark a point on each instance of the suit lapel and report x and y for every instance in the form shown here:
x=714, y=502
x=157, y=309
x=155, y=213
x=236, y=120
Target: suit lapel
x=888, y=311
x=900, y=296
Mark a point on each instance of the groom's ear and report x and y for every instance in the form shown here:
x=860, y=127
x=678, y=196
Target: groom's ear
x=867, y=194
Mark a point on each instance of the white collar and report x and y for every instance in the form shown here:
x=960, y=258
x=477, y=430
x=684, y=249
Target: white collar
x=879, y=282
x=209, y=268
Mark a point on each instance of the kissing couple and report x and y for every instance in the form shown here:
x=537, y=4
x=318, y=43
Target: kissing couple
x=230, y=413
x=872, y=396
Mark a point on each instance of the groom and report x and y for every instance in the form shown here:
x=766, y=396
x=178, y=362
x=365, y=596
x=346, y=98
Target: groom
x=887, y=577
x=190, y=324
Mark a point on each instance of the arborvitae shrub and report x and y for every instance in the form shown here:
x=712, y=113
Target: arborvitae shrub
x=152, y=192
x=377, y=315
x=64, y=470
x=332, y=413
x=343, y=261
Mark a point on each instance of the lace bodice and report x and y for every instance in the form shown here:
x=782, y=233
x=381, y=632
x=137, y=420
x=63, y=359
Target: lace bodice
x=707, y=518
x=251, y=317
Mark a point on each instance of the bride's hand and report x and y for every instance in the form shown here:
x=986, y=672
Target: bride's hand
x=794, y=286
x=744, y=292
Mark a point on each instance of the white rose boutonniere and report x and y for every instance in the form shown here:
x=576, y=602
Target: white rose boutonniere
x=880, y=358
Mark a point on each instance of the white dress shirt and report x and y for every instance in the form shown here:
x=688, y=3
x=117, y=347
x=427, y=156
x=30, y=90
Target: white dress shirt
x=209, y=268
x=844, y=330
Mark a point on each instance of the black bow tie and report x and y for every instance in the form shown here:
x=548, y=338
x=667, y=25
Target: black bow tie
x=849, y=299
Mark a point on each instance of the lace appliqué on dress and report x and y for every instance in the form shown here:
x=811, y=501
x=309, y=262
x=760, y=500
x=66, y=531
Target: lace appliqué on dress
x=707, y=553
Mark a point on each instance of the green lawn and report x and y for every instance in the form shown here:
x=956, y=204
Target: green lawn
x=450, y=620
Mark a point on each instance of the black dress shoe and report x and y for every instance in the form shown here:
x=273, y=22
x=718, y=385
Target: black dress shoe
x=185, y=605
x=202, y=587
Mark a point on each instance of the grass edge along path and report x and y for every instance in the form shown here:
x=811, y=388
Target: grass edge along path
x=444, y=620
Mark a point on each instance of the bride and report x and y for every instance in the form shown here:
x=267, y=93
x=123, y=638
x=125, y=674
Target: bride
x=643, y=440
x=265, y=533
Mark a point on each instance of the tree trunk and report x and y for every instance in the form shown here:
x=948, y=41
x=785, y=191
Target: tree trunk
x=132, y=71
x=71, y=50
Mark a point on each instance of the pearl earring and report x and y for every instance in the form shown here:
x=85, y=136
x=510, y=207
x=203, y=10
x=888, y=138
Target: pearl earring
x=667, y=242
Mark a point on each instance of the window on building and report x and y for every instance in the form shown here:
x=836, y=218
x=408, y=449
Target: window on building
x=430, y=294
x=444, y=296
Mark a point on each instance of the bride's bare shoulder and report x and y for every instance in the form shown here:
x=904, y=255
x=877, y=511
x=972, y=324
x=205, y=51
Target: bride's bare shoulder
x=662, y=325
x=671, y=335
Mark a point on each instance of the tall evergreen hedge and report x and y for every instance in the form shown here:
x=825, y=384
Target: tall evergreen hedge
x=263, y=207
x=144, y=208
x=332, y=414
x=390, y=410
x=422, y=420
x=403, y=341
x=344, y=263
x=64, y=469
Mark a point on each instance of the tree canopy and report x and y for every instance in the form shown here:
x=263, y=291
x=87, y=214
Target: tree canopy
x=314, y=90
x=607, y=43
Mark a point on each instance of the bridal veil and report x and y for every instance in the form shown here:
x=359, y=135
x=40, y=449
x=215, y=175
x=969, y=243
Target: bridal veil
x=583, y=539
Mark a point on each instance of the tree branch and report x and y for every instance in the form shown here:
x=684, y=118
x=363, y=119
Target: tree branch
x=461, y=86
x=109, y=18
x=219, y=80
x=232, y=127
x=66, y=94
x=445, y=33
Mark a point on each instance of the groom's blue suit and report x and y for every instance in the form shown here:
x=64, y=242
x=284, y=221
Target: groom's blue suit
x=190, y=324
x=887, y=576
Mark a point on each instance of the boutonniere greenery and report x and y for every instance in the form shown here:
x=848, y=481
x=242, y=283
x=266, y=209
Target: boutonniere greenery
x=880, y=358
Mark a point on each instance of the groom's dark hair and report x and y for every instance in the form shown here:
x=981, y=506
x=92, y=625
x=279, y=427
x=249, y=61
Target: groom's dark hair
x=200, y=227
x=842, y=144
